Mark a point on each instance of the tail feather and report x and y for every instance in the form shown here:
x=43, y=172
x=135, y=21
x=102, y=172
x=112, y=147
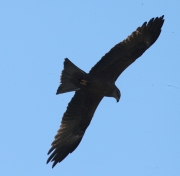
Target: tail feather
x=67, y=75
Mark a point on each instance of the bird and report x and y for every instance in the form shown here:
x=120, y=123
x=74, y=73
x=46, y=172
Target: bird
x=90, y=88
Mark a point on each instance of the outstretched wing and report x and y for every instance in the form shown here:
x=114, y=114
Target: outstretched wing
x=126, y=52
x=75, y=120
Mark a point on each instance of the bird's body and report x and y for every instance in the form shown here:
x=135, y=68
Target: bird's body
x=93, y=86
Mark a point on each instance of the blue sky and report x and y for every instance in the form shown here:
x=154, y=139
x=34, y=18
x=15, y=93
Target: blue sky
x=139, y=136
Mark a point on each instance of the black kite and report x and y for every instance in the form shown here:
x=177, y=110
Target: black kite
x=90, y=88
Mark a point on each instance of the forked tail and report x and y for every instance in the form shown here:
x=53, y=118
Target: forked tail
x=67, y=76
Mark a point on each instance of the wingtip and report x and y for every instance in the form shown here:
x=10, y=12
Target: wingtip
x=162, y=17
x=54, y=164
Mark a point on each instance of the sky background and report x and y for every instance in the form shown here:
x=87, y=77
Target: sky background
x=139, y=136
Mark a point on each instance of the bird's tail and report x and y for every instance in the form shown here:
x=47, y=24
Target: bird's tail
x=69, y=76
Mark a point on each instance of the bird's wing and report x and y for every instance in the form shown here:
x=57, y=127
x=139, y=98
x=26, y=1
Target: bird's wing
x=75, y=120
x=126, y=52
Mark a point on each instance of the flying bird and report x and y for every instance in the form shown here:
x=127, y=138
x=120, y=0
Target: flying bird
x=90, y=88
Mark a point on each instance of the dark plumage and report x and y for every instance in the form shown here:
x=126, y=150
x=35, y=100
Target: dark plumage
x=93, y=86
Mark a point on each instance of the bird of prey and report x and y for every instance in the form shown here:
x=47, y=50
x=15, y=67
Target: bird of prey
x=90, y=88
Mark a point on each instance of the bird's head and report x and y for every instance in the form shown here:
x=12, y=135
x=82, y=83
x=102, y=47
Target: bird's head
x=116, y=94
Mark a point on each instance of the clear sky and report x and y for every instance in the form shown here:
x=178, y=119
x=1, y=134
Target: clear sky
x=139, y=136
